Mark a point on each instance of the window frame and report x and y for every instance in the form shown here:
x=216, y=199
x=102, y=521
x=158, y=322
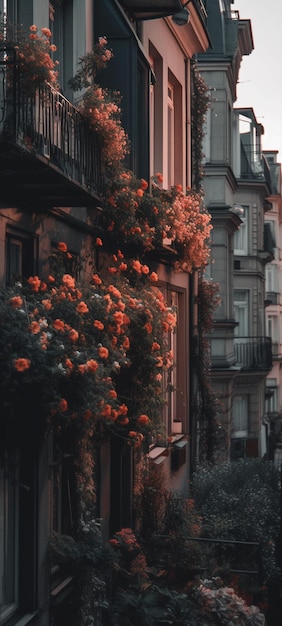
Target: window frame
x=241, y=236
x=9, y=568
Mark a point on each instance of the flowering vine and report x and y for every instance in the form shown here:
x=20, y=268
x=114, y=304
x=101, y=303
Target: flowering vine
x=99, y=106
x=211, y=433
x=200, y=105
x=35, y=64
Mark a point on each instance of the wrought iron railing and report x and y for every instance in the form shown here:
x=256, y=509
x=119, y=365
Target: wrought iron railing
x=49, y=125
x=254, y=352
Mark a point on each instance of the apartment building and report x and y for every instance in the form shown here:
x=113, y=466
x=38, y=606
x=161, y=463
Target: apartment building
x=237, y=185
x=273, y=311
x=53, y=191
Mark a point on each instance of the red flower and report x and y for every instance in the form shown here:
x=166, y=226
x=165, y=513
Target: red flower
x=62, y=246
x=16, y=302
x=103, y=352
x=22, y=364
x=143, y=419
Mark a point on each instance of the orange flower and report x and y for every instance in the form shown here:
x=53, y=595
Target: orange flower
x=43, y=286
x=154, y=277
x=137, y=266
x=118, y=317
x=145, y=269
x=96, y=279
x=106, y=411
x=123, y=409
x=46, y=32
x=114, y=415
x=62, y=246
x=51, y=279
x=155, y=346
x=91, y=365
x=103, y=352
x=68, y=281
x=73, y=335
x=143, y=419
x=112, y=393
x=58, y=324
x=148, y=327
x=122, y=267
x=34, y=328
x=132, y=433
x=81, y=369
x=114, y=291
x=124, y=421
x=126, y=343
x=16, y=302
x=34, y=281
x=63, y=405
x=69, y=364
x=144, y=184
x=99, y=325
x=33, y=28
x=140, y=192
x=82, y=307
x=47, y=304
x=159, y=177
x=22, y=364
x=98, y=242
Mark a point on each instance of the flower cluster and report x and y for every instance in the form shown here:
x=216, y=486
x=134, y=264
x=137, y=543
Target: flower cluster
x=102, y=111
x=36, y=66
x=190, y=225
x=98, y=350
x=137, y=219
x=129, y=553
x=99, y=106
x=218, y=600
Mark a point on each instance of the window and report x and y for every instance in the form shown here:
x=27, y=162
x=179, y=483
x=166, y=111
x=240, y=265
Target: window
x=271, y=278
x=241, y=235
x=20, y=252
x=271, y=403
x=61, y=495
x=241, y=312
x=9, y=528
x=272, y=329
x=156, y=113
x=170, y=135
x=174, y=379
x=60, y=24
x=175, y=132
x=240, y=416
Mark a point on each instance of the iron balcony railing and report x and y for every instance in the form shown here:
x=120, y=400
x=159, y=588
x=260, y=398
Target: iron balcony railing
x=254, y=352
x=49, y=124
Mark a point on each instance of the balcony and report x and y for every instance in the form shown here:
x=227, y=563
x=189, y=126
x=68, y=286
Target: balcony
x=253, y=353
x=254, y=165
x=48, y=155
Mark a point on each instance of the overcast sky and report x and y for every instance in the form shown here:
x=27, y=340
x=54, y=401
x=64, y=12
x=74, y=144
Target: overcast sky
x=260, y=76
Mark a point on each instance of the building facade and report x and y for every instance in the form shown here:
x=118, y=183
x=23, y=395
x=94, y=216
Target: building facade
x=273, y=311
x=237, y=185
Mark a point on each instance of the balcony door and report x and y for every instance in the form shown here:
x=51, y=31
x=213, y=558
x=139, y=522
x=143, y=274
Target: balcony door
x=241, y=312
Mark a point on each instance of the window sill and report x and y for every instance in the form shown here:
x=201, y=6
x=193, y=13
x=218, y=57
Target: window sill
x=24, y=620
x=158, y=454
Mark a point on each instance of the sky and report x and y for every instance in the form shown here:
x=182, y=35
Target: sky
x=260, y=75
